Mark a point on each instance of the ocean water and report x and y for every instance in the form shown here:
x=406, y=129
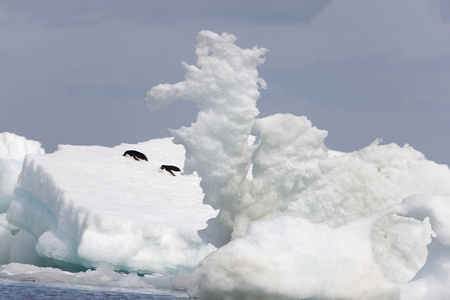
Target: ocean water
x=11, y=289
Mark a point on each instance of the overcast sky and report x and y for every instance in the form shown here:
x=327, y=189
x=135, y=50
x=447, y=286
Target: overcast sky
x=77, y=72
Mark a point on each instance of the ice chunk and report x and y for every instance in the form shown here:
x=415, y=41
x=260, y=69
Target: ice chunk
x=103, y=276
x=13, y=149
x=16, y=147
x=292, y=170
x=293, y=258
x=290, y=257
x=15, y=245
x=89, y=204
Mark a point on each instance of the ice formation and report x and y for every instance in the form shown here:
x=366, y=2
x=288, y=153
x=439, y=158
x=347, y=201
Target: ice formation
x=104, y=275
x=295, y=176
x=296, y=221
x=308, y=260
x=87, y=205
x=17, y=247
x=224, y=86
x=13, y=149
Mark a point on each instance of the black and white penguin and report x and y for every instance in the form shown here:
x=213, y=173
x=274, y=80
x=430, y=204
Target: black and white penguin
x=135, y=154
x=170, y=169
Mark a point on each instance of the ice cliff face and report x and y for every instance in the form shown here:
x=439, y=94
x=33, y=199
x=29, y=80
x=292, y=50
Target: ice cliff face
x=20, y=246
x=13, y=149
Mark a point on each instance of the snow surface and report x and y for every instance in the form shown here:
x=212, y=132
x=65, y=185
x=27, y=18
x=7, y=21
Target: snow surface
x=296, y=221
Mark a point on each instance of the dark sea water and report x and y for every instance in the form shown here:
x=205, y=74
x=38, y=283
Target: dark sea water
x=10, y=289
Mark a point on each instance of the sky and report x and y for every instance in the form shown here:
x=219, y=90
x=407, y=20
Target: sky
x=77, y=72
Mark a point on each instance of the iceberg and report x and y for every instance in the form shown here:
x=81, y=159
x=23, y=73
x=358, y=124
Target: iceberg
x=307, y=260
x=263, y=210
x=88, y=205
x=296, y=183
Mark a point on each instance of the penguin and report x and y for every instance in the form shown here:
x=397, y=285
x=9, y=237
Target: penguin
x=171, y=169
x=136, y=155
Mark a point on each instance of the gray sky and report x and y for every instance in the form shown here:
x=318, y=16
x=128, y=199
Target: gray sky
x=77, y=72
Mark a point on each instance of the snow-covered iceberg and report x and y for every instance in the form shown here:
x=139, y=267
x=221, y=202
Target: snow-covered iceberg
x=88, y=205
x=297, y=181
x=296, y=220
